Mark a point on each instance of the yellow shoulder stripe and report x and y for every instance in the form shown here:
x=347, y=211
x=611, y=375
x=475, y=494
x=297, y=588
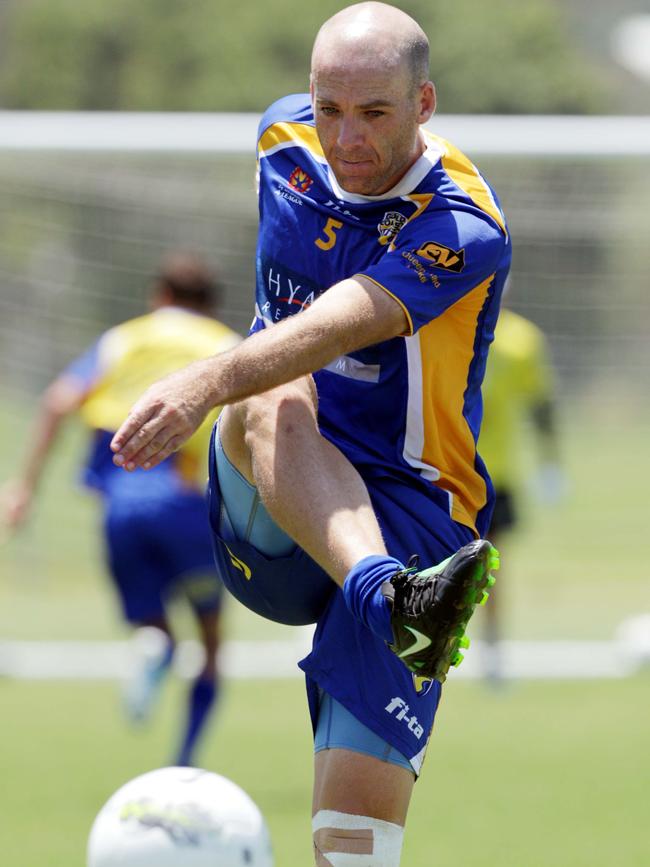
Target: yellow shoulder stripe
x=465, y=175
x=282, y=135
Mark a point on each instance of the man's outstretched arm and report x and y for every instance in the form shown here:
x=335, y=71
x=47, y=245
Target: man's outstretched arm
x=351, y=315
x=62, y=398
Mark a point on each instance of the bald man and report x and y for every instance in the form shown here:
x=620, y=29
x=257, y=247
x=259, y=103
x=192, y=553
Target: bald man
x=349, y=439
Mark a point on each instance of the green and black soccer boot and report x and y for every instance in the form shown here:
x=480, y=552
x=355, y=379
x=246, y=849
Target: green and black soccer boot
x=431, y=608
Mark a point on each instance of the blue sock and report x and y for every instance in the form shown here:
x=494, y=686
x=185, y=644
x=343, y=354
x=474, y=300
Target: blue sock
x=363, y=596
x=202, y=697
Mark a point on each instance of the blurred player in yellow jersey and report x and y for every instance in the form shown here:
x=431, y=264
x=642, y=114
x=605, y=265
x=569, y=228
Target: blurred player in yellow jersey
x=518, y=396
x=155, y=524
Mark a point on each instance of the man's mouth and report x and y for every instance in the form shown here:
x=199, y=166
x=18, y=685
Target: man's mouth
x=354, y=164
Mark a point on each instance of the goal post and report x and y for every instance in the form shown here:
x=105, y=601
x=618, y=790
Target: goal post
x=194, y=132
x=90, y=201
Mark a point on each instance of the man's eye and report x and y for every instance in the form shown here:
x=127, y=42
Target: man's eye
x=374, y=112
x=328, y=110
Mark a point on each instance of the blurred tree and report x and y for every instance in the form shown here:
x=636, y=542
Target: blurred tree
x=504, y=56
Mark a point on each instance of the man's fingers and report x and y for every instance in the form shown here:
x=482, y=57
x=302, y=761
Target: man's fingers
x=153, y=433
x=156, y=452
x=146, y=447
x=129, y=437
x=157, y=458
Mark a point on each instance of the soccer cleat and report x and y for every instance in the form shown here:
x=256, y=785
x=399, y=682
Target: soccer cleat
x=151, y=656
x=431, y=608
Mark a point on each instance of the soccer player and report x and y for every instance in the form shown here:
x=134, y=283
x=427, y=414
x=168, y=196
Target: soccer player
x=348, y=441
x=518, y=395
x=155, y=525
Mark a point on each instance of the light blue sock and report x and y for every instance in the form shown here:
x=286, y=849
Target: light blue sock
x=363, y=596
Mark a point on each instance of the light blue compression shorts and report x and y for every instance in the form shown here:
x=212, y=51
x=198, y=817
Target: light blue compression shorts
x=247, y=520
x=337, y=728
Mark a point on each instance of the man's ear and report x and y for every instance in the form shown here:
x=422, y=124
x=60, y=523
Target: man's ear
x=427, y=101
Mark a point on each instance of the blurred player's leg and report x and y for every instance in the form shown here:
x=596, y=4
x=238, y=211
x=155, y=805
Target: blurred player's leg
x=135, y=566
x=188, y=551
x=492, y=663
x=204, y=690
x=151, y=652
x=504, y=519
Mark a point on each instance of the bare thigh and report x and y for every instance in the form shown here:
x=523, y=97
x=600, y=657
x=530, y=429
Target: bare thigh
x=261, y=412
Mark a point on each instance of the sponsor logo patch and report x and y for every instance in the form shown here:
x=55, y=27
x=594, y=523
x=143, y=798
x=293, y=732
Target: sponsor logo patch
x=443, y=257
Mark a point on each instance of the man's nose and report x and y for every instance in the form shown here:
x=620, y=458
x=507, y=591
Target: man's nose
x=350, y=133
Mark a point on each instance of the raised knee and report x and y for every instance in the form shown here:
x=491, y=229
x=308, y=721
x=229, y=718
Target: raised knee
x=342, y=838
x=284, y=409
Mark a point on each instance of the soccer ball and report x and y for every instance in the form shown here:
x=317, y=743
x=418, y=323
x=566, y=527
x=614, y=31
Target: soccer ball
x=179, y=817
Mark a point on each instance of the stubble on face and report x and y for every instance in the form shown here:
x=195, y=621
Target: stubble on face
x=366, y=85
x=367, y=122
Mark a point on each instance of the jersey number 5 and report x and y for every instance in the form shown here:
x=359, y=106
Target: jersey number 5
x=330, y=234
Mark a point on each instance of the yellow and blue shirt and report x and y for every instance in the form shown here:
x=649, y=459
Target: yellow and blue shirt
x=438, y=243
x=519, y=377
x=122, y=364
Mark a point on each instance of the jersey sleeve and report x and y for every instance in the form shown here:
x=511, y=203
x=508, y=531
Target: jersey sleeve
x=86, y=368
x=296, y=107
x=435, y=260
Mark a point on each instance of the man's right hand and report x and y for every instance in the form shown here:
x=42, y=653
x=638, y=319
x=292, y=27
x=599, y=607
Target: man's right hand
x=167, y=415
x=15, y=503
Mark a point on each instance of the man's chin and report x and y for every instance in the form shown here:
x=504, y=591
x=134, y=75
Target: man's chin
x=359, y=186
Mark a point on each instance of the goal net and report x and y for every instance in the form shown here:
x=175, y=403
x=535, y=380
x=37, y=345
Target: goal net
x=89, y=205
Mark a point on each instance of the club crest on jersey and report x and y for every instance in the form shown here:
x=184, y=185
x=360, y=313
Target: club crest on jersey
x=443, y=257
x=390, y=225
x=300, y=180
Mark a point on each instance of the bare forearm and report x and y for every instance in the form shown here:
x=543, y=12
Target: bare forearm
x=16, y=495
x=297, y=346
x=347, y=317
x=44, y=435
x=264, y=361
x=62, y=398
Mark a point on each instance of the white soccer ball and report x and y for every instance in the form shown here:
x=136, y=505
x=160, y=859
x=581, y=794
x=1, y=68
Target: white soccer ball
x=179, y=817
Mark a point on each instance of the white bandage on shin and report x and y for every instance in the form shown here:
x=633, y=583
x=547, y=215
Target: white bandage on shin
x=344, y=840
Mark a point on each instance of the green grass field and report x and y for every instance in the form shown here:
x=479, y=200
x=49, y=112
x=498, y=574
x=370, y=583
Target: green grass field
x=541, y=775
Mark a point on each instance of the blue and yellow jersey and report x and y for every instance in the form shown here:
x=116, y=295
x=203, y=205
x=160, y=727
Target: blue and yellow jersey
x=438, y=243
x=123, y=363
x=519, y=376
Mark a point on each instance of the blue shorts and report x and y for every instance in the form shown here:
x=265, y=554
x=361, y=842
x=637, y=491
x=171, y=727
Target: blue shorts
x=288, y=588
x=157, y=546
x=347, y=661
